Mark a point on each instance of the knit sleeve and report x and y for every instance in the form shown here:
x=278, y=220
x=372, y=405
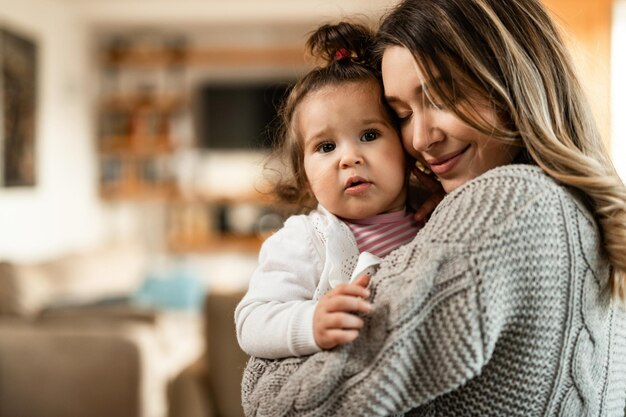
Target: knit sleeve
x=435, y=321
x=275, y=317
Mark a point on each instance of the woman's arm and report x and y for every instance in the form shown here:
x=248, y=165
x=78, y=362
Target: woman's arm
x=423, y=338
x=440, y=304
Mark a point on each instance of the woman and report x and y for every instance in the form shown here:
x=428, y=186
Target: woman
x=510, y=301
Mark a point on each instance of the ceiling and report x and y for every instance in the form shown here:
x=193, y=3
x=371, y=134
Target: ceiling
x=241, y=12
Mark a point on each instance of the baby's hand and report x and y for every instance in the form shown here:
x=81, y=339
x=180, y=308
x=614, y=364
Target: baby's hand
x=333, y=323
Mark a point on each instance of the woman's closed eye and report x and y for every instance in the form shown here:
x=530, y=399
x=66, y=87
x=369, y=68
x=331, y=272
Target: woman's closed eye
x=403, y=117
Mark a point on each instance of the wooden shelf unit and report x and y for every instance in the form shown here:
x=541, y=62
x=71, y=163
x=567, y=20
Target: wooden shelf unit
x=145, y=92
x=213, y=56
x=219, y=243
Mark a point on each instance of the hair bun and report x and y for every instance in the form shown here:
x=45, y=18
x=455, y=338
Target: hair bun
x=341, y=42
x=342, y=54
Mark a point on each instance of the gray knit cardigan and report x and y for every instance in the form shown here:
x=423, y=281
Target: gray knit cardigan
x=498, y=307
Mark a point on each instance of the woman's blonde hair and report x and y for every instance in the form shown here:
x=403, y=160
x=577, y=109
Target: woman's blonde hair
x=511, y=53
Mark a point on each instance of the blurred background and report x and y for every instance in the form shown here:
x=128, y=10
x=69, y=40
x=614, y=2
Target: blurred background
x=132, y=140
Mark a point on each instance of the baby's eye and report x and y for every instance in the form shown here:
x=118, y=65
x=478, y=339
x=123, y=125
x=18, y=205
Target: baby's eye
x=370, y=135
x=325, y=147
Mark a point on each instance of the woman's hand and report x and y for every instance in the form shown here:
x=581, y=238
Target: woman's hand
x=334, y=323
x=437, y=193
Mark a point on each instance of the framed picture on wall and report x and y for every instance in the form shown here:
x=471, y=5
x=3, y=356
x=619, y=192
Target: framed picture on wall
x=18, y=98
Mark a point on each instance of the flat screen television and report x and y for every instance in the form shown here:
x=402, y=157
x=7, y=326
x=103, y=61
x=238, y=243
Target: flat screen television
x=238, y=115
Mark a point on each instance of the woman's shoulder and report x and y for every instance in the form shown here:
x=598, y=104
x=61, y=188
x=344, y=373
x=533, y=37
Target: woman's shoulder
x=527, y=182
x=539, y=183
x=522, y=178
x=512, y=193
x=506, y=188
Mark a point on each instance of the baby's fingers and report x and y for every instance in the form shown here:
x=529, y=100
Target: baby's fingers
x=341, y=321
x=356, y=289
x=348, y=304
x=332, y=329
x=337, y=337
x=362, y=281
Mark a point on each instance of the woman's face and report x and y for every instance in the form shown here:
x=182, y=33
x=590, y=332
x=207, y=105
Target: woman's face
x=454, y=151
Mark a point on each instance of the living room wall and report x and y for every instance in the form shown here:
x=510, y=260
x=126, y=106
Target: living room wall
x=62, y=211
x=618, y=94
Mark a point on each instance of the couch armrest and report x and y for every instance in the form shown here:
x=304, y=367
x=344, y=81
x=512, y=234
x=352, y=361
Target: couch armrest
x=225, y=359
x=187, y=393
x=64, y=366
x=47, y=371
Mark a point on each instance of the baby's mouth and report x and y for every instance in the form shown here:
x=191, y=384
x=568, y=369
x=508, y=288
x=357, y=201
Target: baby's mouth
x=357, y=186
x=355, y=182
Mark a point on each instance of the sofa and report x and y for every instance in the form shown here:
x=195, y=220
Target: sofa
x=72, y=345
x=211, y=386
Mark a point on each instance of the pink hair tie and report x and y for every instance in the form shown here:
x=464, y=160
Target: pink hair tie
x=341, y=54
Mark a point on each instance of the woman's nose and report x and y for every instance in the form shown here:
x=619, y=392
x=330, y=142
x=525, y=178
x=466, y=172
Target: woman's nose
x=425, y=135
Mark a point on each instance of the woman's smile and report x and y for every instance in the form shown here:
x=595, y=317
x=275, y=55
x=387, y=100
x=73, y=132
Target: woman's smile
x=445, y=164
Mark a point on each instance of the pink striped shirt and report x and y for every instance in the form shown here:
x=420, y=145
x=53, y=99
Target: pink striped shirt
x=383, y=233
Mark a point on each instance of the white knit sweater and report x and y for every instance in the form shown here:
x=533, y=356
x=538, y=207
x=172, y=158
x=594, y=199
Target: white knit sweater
x=298, y=264
x=498, y=307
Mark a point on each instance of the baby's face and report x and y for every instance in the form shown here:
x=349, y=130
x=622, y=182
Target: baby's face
x=353, y=157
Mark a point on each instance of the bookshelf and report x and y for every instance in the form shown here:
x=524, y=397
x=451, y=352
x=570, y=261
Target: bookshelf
x=138, y=111
x=206, y=223
x=145, y=105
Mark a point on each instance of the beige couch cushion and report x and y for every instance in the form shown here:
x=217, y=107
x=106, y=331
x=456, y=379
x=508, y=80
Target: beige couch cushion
x=104, y=272
x=24, y=290
x=110, y=271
